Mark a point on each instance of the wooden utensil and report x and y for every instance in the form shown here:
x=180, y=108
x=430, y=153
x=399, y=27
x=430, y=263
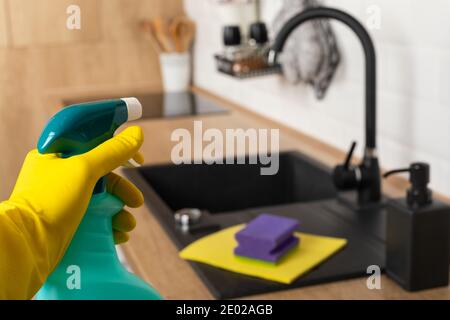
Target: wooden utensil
x=161, y=32
x=182, y=31
x=147, y=28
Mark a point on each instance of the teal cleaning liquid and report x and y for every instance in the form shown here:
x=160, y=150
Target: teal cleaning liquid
x=90, y=268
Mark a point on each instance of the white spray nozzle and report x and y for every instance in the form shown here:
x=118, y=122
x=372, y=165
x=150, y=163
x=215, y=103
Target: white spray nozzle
x=134, y=108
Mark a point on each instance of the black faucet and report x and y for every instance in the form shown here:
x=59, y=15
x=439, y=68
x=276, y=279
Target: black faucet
x=365, y=177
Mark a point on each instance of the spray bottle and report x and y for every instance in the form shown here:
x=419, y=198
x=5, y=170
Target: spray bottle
x=91, y=255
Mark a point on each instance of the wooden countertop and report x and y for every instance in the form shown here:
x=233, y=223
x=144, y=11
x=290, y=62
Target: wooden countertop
x=153, y=256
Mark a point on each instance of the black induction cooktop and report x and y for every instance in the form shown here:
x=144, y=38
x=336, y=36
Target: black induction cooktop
x=166, y=105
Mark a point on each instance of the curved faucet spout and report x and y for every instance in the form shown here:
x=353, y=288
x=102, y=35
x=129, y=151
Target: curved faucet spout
x=369, y=190
x=369, y=50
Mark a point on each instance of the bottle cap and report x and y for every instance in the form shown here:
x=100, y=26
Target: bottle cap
x=258, y=32
x=231, y=36
x=134, y=108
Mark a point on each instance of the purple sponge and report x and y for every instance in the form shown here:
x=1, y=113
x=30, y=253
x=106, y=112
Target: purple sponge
x=271, y=256
x=266, y=232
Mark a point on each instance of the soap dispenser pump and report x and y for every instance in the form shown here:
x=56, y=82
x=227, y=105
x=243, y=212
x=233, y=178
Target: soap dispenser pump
x=417, y=234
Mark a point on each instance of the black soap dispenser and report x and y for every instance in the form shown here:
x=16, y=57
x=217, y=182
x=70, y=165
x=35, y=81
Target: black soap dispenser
x=417, y=235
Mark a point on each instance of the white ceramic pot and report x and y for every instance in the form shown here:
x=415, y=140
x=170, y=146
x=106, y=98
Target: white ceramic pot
x=176, y=71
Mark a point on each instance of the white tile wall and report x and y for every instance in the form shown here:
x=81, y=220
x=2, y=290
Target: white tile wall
x=413, y=47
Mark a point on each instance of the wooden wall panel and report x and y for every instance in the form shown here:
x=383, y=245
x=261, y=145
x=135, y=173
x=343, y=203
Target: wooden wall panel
x=120, y=17
x=98, y=64
x=43, y=62
x=21, y=114
x=3, y=24
x=77, y=64
x=44, y=22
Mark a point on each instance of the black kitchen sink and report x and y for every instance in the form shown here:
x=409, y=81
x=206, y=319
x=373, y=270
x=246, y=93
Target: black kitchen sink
x=232, y=194
x=227, y=188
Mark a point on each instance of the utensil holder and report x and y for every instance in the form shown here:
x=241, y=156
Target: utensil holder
x=175, y=71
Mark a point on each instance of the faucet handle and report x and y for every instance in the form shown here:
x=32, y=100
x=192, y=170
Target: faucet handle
x=349, y=156
x=345, y=177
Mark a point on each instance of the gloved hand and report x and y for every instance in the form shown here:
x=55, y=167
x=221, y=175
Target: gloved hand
x=124, y=222
x=48, y=202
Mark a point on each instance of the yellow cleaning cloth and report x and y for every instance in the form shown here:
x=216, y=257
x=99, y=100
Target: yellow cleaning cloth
x=217, y=250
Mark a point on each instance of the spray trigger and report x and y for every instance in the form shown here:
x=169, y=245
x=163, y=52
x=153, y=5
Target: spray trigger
x=131, y=163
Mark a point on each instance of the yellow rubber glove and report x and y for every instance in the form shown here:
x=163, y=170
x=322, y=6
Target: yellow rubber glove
x=47, y=204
